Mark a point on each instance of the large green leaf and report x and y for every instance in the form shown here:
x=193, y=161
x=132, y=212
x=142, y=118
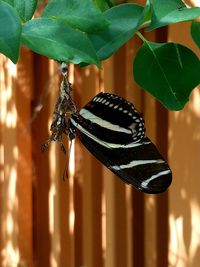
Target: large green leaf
x=82, y=15
x=10, y=32
x=24, y=8
x=124, y=20
x=56, y=40
x=171, y=11
x=168, y=71
x=195, y=32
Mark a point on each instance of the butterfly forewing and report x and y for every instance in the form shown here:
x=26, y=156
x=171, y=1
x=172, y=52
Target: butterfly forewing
x=113, y=131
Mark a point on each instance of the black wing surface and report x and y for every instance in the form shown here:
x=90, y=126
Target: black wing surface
x=113, y=130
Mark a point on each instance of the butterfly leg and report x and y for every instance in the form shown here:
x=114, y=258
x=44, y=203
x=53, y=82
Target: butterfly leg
x=61, y=144
x=45, y=145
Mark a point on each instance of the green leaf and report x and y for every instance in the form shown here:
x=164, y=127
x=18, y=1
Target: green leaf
x=195, y=32
x=171, y=11
x=24, y=8
x=82, y=15
x=56, y=40
x=123, y=21
x=146, y=14
x=10, y=32
x=168, y=71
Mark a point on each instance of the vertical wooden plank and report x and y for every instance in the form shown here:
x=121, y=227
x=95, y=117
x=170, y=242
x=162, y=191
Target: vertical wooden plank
x=66, y=214
x=78, y=201
x=1, y=158
x=9, y=155
x=138, y=229
x=41, y=238
x=66, y=246
x=110, y=253
x=97, y=215
x=16, y=167
x=162, y=199
x=16, y=163
x=24, y=162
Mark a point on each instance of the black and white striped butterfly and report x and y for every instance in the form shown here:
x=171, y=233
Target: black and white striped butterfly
x=113, y=131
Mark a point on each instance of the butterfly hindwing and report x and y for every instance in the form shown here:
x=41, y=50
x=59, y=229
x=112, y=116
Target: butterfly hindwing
x=113, y=131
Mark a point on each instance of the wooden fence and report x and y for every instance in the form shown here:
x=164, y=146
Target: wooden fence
x=92, y=219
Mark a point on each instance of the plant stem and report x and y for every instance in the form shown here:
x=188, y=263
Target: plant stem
x=141, y=36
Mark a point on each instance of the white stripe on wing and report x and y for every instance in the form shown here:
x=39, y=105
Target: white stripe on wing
x=145, y=183
x=86, y=114
x=103, y=143
x=136, y=163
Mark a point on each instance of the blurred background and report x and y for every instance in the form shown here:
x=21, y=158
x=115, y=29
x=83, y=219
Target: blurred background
x=92, y=219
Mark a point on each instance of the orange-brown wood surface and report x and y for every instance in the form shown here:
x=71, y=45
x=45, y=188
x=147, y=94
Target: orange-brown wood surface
x=92, y=219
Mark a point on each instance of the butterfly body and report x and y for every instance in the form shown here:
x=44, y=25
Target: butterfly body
x=62, y=112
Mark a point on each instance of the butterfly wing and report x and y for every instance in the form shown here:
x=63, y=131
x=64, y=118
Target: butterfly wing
x=113, y=131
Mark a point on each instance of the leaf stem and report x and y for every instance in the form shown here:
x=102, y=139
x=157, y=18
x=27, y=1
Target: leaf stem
x=145, y=24
x=141, y=37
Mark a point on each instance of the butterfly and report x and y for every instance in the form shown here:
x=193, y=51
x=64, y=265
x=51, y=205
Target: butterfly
x=113, y=130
